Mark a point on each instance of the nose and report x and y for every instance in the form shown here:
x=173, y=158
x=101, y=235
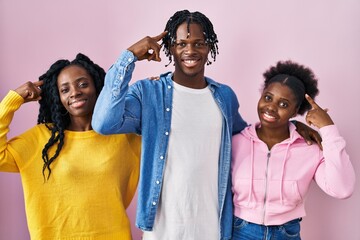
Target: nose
x=271, y=106
x=75, y=92
x=189, y=47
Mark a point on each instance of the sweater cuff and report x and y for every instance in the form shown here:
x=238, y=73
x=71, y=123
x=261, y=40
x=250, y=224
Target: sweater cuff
x=13, y=99
x=329, y=132
x=126, y=58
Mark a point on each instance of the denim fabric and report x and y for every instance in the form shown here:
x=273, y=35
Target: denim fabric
x=243, y=230
x=145, y=108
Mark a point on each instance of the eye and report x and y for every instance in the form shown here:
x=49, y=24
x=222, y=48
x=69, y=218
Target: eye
x=283, y=104
x=267, y=98
x=64, y=90
x=200, y=44
x=180, y=45
x=83, y=84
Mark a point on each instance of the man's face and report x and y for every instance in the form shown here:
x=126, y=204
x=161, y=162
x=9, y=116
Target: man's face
x=190, y=51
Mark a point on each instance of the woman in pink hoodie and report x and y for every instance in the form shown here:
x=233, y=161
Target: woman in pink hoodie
x=273, y=166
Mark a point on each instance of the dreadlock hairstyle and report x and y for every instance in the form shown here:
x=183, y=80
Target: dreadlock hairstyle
x=52, y=113
x=300, y=79
x=190, y=17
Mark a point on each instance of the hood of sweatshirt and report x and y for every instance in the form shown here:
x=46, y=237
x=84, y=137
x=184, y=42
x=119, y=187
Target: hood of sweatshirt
x=250, y=133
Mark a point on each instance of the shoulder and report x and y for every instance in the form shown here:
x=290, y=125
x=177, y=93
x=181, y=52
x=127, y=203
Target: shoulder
x=127, y=144
x=217, y=84
x=164, y=79
x=220, y=87
x=36, y=134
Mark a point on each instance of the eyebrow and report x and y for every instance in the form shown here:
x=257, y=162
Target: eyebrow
x=76, y=80
x=187, y=40
x=284, y=99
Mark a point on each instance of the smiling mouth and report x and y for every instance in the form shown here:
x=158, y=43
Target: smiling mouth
x=269, y=117
x=77, y=103
x=190, y=62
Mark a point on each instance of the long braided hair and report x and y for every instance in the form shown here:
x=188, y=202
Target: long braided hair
x=190, y=17
x=52, y=113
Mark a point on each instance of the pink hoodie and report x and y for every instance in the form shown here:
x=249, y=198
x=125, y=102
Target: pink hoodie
x=270, y=186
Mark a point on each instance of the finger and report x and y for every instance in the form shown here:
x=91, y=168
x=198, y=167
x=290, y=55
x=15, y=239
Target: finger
x=152, y=57
x=319, y=143
x=156, y=56
x=312, y=102
x=154, y=53
x=307, y=119
x=307, y=138
x=38, y=84
x=318, y=140
x=160, y=36
x=154, y=78
x=32, y=94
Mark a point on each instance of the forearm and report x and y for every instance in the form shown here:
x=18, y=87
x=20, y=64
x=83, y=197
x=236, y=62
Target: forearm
x=108, y=117
x=336, y=174
x=8, y=106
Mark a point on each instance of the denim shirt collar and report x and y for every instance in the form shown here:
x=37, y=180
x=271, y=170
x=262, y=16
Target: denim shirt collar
x=211, y=83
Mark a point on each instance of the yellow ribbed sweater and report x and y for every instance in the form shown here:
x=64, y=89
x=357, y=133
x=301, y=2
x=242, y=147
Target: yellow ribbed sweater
x=92, y=182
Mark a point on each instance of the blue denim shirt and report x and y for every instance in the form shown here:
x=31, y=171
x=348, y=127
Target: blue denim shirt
x=145, y=108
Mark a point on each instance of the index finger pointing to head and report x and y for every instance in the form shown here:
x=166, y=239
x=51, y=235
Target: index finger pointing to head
x=38, y=83
x=160, y=36
x=311, y=101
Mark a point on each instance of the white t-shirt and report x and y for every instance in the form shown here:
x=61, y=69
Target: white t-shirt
x=188, y=207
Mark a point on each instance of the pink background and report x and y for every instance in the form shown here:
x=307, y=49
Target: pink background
x=322, y=34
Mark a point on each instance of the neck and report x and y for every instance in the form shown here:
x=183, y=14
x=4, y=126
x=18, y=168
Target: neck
x=196, y=81
x=79, y=124
x=272, y=136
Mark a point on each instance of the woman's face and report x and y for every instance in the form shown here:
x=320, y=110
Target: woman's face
x=276, y=105
x=77, y=92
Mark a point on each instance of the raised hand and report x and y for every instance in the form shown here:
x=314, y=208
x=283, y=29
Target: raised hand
x=317, y=116
x=148, y=48
x=30, y=91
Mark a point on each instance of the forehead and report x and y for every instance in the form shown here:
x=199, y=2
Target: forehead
x=72, y=73
x=280, y=90
x=194, y=31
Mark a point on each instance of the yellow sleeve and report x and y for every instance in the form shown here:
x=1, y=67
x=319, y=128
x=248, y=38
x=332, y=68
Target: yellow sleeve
x=8, y=107
x=135, y=147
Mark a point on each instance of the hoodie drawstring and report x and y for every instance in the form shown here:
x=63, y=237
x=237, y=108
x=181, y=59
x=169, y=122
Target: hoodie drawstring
x=251, y=171
x=282, y=173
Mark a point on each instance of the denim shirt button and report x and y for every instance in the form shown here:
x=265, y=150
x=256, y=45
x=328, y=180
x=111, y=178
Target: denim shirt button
x=158, y=182
x=161, y=157
x=167, y=109
x=166, y=133
x=130, y=59
x=154, y=203
x=169, y=87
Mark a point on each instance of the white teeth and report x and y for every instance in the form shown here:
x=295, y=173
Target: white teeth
x=190, y=61
x=76, y=102
x=268, y=116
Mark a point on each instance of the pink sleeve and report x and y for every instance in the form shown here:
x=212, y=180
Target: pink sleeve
x=335, y=174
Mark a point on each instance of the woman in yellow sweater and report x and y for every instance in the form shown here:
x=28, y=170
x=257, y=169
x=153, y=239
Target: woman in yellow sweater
x=77, y=183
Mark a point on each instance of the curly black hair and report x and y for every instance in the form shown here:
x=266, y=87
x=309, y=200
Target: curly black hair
x=300, y=79
x=52, y=113
x=190, y=17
